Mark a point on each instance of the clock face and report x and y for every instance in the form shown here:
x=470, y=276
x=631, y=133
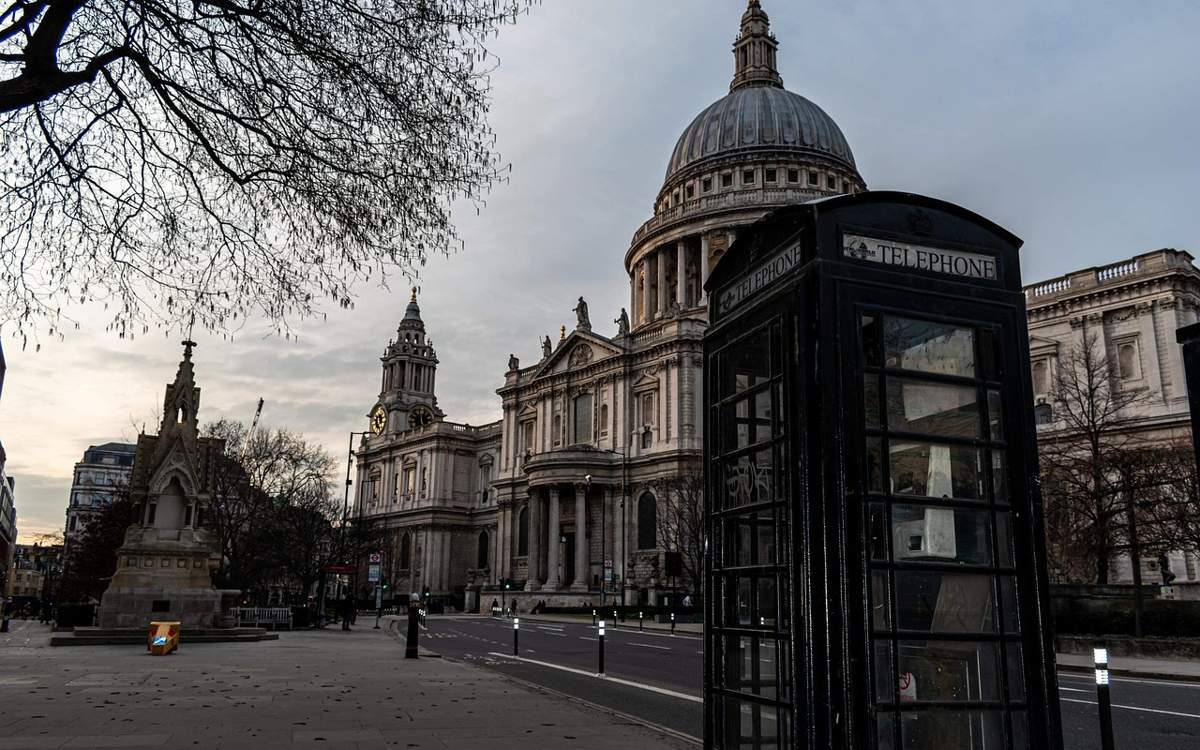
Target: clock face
x=378, y=420
x=419, y=417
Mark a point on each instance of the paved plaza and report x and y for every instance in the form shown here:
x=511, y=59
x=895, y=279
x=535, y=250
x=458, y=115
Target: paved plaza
x=327, y=689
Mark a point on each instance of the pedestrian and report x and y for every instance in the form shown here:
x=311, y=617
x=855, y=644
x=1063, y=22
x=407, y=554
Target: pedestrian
x=687, y=601
x=347, y=610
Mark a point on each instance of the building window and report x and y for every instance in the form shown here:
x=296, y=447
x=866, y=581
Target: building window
x=603, y=419
x=831, y=182
x=748, y=177
x=793, y=175
x=1041, y=377
x=151, y=512
x=727, y=179
x=770, y=176
x=558, y=429
x=424, y=479
x=523, y=532
x=71, y=523
x=583, y=418
x=647, y=406
x=813, y=178
x=691, y=191
x=410, y=479
x=1127, y=361
x=647, y=438
x=706, y=185
x=484, y=549
x=1043, y=414
x=405, y=551
x=527, y=433
x=647, y=521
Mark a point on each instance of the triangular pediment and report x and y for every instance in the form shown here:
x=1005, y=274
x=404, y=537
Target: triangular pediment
x=580, y=349
x=1042, y=344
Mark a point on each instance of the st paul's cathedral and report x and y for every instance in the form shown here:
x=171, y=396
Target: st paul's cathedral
x=569, y=496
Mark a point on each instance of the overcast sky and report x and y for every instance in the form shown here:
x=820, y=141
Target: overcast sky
x=1073, y=124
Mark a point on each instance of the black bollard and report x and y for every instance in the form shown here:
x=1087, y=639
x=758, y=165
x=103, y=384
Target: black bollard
x=641, y=626
x=614, y=617
x=1102, y=698
x=516, y=635
x=593, y=618
x=601, y=632
x=410, y=649
x=672, y=623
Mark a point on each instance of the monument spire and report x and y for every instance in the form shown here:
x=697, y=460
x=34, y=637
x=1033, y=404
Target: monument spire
x=754, y=51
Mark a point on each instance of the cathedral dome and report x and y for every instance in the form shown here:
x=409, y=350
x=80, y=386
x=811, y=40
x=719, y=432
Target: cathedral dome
x=755, y=120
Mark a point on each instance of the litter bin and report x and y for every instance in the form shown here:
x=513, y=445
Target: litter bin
x=163, y=638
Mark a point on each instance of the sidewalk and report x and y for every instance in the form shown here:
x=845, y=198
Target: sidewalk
x=328, y=689
x=1127, y=666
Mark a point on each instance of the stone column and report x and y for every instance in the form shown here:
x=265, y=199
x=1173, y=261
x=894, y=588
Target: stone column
x=535, y=543
x=681, y=273
x=661, y=296
x=553, y=533
x=581, y=544
x=647, y=312
x=703, y=267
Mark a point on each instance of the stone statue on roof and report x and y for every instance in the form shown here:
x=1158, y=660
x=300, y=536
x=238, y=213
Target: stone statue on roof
x=583, y=323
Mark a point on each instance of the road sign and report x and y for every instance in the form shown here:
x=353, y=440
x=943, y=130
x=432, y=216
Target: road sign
x=337, y=568
x=373, y=573
x=376, y=558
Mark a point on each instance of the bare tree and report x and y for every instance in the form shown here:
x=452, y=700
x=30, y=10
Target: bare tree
x=681, y=523
x=273, y=509
x=92, y=560
x=217, y=159
x=1085, y=458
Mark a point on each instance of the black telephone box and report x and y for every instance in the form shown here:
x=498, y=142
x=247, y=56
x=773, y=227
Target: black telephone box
x=876, y=574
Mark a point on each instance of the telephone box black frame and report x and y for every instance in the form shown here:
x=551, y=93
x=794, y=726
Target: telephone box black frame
x=791, y=567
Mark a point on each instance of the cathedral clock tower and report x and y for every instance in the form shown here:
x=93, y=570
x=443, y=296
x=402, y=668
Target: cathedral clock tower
x=406, y=397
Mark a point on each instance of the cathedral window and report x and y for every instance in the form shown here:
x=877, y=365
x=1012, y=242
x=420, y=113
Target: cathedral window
x=793, y=175
x=771, y=176
x=410, y=479
x=528, y=431
x=691, y=191
x=831, y=182
x=523, y=533
x=748, y=177
x=647, y=521
x=558, y=429
x=813, y=178
x=151, y=511
x=481, y=560
x=424, y=479
x=583, y=418
x=727, y=179
x=706, y=185
x=603, y=419
x=647, y=406
x=405, y=551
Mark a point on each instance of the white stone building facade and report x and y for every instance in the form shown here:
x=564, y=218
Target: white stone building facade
x=1132, y=308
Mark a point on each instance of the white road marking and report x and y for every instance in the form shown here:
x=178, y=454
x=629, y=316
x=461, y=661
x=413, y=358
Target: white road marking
x=1073, y=690
x=647, y=645
x=1088, y=678
x=618, y=680
x=585, y=638
x=1136, y=708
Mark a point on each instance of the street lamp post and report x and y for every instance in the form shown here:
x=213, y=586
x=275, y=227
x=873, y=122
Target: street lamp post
x=345, y=520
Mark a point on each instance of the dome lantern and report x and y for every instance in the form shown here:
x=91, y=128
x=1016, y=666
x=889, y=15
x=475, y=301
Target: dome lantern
x=754, y=51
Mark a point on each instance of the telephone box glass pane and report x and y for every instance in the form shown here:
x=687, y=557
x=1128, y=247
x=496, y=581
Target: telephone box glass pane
x=748, y=479
x=924, y=533
x=941, y=729
x=932, y=408
x=940, y=602
x=926, y=346
x=746, y=364
x=936, y=470
x=949, y=671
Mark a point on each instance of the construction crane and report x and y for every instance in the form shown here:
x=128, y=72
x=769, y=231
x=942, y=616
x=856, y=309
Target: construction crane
x=253, y=425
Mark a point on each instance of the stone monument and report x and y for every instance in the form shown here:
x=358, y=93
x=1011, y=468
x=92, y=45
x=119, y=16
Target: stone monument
x=164, y=568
